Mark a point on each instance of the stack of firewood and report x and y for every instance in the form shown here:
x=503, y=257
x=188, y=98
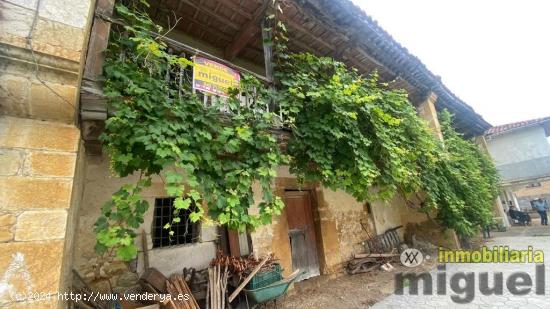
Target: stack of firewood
x=217, y=287
x=182, y=298
x=242, y=266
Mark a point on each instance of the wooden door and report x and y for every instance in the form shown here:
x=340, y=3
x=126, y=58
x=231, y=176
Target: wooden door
x=301, y=231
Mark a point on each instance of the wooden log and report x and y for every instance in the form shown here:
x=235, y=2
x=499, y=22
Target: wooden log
x=145, y=250
x=155, y=278
x=188, y=291
x=373, y=255
x=211, y=285
x=172, y=291
x=359, y=270
x=218, y=282
x=357, y=262
x=175, y=288
x=178, y=291
x=207, y=299
x=215, y=287
x=224, y=285
x=247, y=279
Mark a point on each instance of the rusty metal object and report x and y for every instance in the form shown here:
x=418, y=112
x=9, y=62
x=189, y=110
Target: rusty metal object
x=384, y=242
x=380, y=249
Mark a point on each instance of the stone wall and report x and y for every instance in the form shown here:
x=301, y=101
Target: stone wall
x=395, y=213
x=38, y=159
x=37, y=164
x=340, y=221
x=343, y=221
x=98, y=185
x=42, y=84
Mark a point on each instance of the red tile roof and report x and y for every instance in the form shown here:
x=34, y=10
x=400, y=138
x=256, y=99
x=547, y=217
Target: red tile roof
x=519, y=125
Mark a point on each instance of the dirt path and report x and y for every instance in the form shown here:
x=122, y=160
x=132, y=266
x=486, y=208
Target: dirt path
x=346, y=291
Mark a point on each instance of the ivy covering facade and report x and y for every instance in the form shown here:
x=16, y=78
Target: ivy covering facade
x=349, y=132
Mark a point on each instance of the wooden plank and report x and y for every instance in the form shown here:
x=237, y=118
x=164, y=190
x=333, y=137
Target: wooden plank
x=302, y=232
x=185, y=19
x=145, y=250
x=294, y=25
x=238, y=9
x=268, y=51
x=225, y=21
x=248, y=32
x=234, y=246
x=182, y=46
x=299, y=249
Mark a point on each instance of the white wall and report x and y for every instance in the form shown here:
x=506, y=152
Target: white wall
x=99, y=184
x=518, y=146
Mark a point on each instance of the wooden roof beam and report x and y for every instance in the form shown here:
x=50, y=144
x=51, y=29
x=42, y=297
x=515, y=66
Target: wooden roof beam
x=189, y=21
x=304, y=31
x=238, y=9
x=225, y=21
x=248, y=32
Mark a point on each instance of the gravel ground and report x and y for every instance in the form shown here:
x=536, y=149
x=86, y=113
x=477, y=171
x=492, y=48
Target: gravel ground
x=376, y=289
x=346, y=291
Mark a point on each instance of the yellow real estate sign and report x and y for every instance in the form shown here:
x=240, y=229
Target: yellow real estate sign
x=212, y=77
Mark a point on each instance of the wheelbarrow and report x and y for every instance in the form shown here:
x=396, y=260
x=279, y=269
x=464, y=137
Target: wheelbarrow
x=270, y=292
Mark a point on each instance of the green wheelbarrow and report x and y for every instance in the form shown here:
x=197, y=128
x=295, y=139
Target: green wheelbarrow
x=270, y=292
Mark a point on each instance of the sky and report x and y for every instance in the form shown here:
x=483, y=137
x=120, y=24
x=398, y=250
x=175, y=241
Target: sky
x=493, y=54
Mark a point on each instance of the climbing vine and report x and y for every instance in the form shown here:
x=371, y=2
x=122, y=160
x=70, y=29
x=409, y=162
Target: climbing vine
x=160, y=127
x=462, y=184
x=352, y=132
x=349, y=132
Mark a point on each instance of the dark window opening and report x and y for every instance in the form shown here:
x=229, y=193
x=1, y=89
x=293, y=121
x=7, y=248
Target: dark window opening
x=185, y=232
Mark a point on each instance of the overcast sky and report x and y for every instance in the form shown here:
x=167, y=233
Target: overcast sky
x=493, y=54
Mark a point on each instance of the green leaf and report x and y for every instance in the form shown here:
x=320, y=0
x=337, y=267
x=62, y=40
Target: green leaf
x=244, y=133
x=174, y=190
x=180, y=203
x=126, y=253
x=194, y=217
x=223, y=218
x=194, y=195
x=173, y=177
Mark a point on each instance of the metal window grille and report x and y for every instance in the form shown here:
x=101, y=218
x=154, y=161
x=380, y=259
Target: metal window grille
x=185, y=232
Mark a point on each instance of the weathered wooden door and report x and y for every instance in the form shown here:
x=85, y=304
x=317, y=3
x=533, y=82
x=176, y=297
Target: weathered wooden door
x=301, y=231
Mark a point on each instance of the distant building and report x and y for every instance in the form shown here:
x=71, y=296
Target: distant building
x=521, y=152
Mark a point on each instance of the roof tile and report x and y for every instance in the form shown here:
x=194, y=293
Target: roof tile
x=515, y=125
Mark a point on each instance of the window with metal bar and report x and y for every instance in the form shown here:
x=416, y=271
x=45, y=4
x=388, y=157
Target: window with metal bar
x=185, y=231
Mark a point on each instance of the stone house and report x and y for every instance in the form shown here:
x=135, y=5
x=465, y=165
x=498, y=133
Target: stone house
x=54, y=177
x=521, y=152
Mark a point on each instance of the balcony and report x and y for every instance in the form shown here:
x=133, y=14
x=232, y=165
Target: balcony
x=231, y=34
